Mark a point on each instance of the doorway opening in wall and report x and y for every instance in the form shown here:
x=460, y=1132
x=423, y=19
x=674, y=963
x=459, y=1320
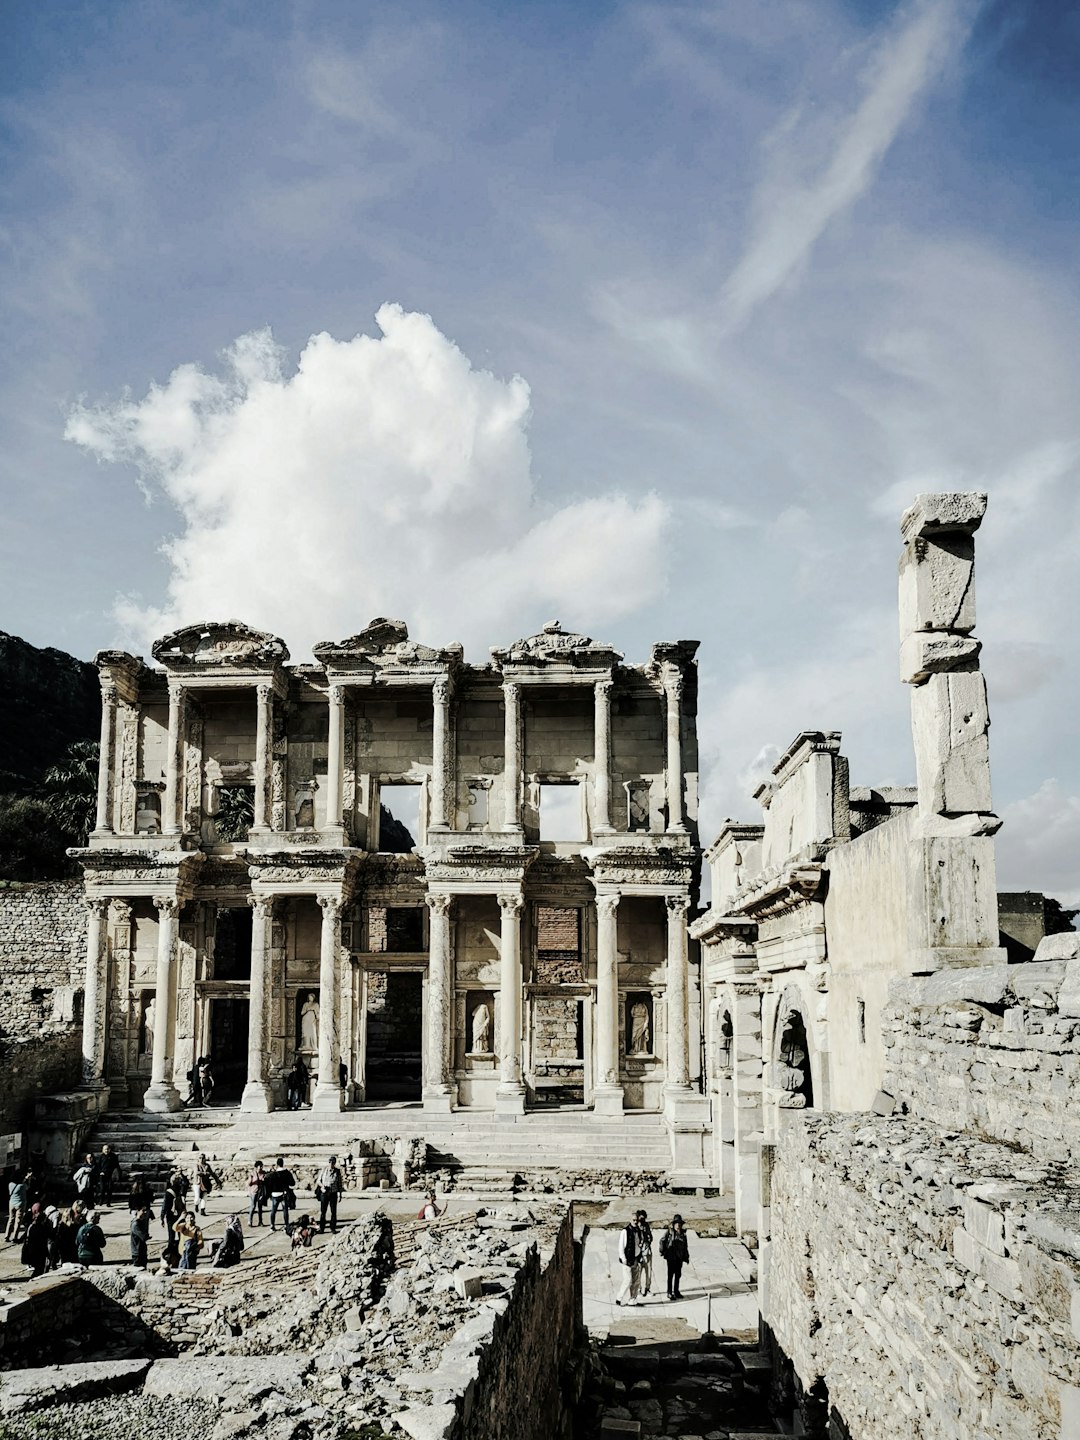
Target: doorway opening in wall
x=399, y=819
x=232, y=944
x=562, y=812
x=395, y=1017
x=228, y=1046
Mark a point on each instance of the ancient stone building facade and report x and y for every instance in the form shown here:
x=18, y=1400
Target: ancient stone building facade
x=466, y=882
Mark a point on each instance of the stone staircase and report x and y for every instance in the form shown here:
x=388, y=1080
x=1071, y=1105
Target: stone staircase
x=468, y=1151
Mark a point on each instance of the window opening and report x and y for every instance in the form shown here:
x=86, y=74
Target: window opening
x=561, y=812
x=235, y=812
x=399, y=818
x=558, y=945
x=232, y=944
x=862, y=1022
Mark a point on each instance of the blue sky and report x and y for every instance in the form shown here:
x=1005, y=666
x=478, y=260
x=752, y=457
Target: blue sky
x=764, y=272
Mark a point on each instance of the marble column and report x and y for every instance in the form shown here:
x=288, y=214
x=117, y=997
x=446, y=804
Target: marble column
x=162, y=1094
x=174, y=764
x=677, y=978
x=673, y=691
x=264, y=721
x=510, y=1095
x=608, y=1094
x=335, y=756
x=602, y=757
x=327, y=1094
x=94, y=995
x=512, y=760
x=106, y=758
x=438, y=1089
x=440, y=754
x=257, y=1094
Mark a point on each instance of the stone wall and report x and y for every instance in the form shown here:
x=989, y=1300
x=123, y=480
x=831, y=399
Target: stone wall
x=42, y=948
x=931, y=1279
x=34, y=1066
x=992, y=1050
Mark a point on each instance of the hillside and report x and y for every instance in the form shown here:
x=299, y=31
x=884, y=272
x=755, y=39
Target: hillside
x=50, y=700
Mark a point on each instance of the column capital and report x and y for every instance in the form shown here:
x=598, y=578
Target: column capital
x=264, y=692
x=110, y=691
x=96, y=905
x=511, y=690
x=441, y=690
x=604, y=688
x=262, y=905
x=331, y=905
x=121, y=911
x=335, y=694
x=169, y=906
x=673, y=681
x=515, y=903
x=176, y=691
x=677, y=904
x=440, y=904
x=607, y=904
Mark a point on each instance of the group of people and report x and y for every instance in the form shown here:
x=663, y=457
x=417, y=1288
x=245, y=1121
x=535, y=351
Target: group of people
x=96, y=1176
x=200, y=1080
x=636, y=1256
x=52, y=1237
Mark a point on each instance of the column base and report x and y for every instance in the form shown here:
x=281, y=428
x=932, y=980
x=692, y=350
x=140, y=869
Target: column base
x=326, y=1097
x=608, y=1100
x=510, y=1100
x=162, y=1098
x=440, y=1101
x=257, y=1098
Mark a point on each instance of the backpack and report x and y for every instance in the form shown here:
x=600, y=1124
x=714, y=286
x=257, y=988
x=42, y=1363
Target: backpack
x=665, y=1244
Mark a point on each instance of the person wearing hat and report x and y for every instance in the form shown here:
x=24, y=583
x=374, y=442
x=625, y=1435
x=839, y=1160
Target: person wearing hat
x=327, y=1189
x=675, y=1251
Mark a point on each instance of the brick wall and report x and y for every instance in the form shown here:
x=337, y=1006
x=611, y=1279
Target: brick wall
x=42, y=948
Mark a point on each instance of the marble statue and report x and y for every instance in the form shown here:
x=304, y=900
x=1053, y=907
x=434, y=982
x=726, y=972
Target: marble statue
x=309, y=1024
x=481, y=1029
x=640, y=1036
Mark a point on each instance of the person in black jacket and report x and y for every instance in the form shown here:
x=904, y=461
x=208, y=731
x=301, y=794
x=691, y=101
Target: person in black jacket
x=676, y=1253
x=140, y=1236
x=279, y=1186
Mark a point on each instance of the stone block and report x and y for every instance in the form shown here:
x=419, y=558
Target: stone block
x=41, y=1388
x=1068, y=999
x=986, y=1224
x=428, y=1422
x=927, y=653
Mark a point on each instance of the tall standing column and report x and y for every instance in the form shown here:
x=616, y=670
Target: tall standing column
x=257, y=1094
x=328, y=1092
x=162, y=1094
x=602, y=756
x=438, y=1089
x=93, y=1033
x=335, y=756
x=673, y=691
x=174, y=764
x=106, y=758
x=678, y=1038
x=264, y=719
x=512, y=754
x=608, y=1099
x=510, y=1096
x=440, y=753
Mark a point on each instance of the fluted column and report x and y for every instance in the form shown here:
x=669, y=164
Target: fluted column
x=678, y=1039
x=510, y=1096
x=264, y=719
x=162, y=1094
x=106, y=758
x=335, y=755
x=328, y=1092
x=174, y=765
x=512, y=757
x=602, y=756
x=438, y=1089
x=608, y=1095
x=673, y=692
x=257, y=1094
x=94, y=991
x=440, y=753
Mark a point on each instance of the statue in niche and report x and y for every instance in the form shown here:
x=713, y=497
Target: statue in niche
x=149, y=1014
x=640, y=1029
x=309, y=1024
x=481, y=1029
x=304, y=805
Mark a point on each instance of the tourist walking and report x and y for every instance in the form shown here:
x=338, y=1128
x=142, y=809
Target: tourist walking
x=17, y=1208
x=140, y=1236
x=206, y=1079
x=630, y=1259
x=35, y=1246
x=257, y=1192
x=194, y=1094
x=645, y=1243
x=205, y=1180
x=279, y=1186
x=328, y=1188
x=675, y=1252
x=106, y=1173
x=90, y=1241
x=84, y=1178
x=190, y=1238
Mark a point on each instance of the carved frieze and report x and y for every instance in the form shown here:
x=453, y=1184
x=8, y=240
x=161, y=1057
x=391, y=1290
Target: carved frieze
x=219, y=645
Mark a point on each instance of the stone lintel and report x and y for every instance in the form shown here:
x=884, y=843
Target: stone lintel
x=939, y=512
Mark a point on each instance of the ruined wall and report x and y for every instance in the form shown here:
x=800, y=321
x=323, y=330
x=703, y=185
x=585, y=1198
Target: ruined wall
x=932, y=1280
x=994, y=1050
x=36, y=1065
x=42, y=945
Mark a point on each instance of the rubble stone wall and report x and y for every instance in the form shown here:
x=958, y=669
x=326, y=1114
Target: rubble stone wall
x=931, y=1279
x=993, y=1050
x=42, y=944
x=33, y=1066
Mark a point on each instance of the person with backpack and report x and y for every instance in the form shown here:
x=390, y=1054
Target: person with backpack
x=675, y=1252
x=630, y=1257
x=90, y=1242
x=328, y=1188
x=205, y=1180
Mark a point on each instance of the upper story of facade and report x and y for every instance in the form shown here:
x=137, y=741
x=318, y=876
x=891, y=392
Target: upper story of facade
x=387, y=745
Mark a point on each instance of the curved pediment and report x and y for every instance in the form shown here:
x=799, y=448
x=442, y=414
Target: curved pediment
x=555, y=645
x=218, y=644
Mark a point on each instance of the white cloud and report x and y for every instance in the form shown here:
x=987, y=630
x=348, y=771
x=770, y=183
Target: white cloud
x=385, y=476
x=1038, y=844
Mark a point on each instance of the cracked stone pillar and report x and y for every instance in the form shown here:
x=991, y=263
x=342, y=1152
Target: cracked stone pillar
x=602, y=757
x=174, y=762
x=103, y=822
x=264, y=721
x=327, y=1091
x=441, y=767
x=939, y=658
x=673, y=692
x=512, y=754
x=94, y=995
x=438, y=1090
x=335, y=756
x=510, y=1095
x=257, y=1094
x=677, y=982
x=608, y=1093
x=162, y=1094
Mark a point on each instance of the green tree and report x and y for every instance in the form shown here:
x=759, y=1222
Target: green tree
x=69, y=790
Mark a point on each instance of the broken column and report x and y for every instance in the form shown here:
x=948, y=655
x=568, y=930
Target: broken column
x=955, y=916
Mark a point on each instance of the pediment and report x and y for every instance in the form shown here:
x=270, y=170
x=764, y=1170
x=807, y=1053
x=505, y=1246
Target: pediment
x=218, y=644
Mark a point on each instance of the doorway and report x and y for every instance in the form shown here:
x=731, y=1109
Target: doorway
x=229, y=1046
x=395, y=1019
